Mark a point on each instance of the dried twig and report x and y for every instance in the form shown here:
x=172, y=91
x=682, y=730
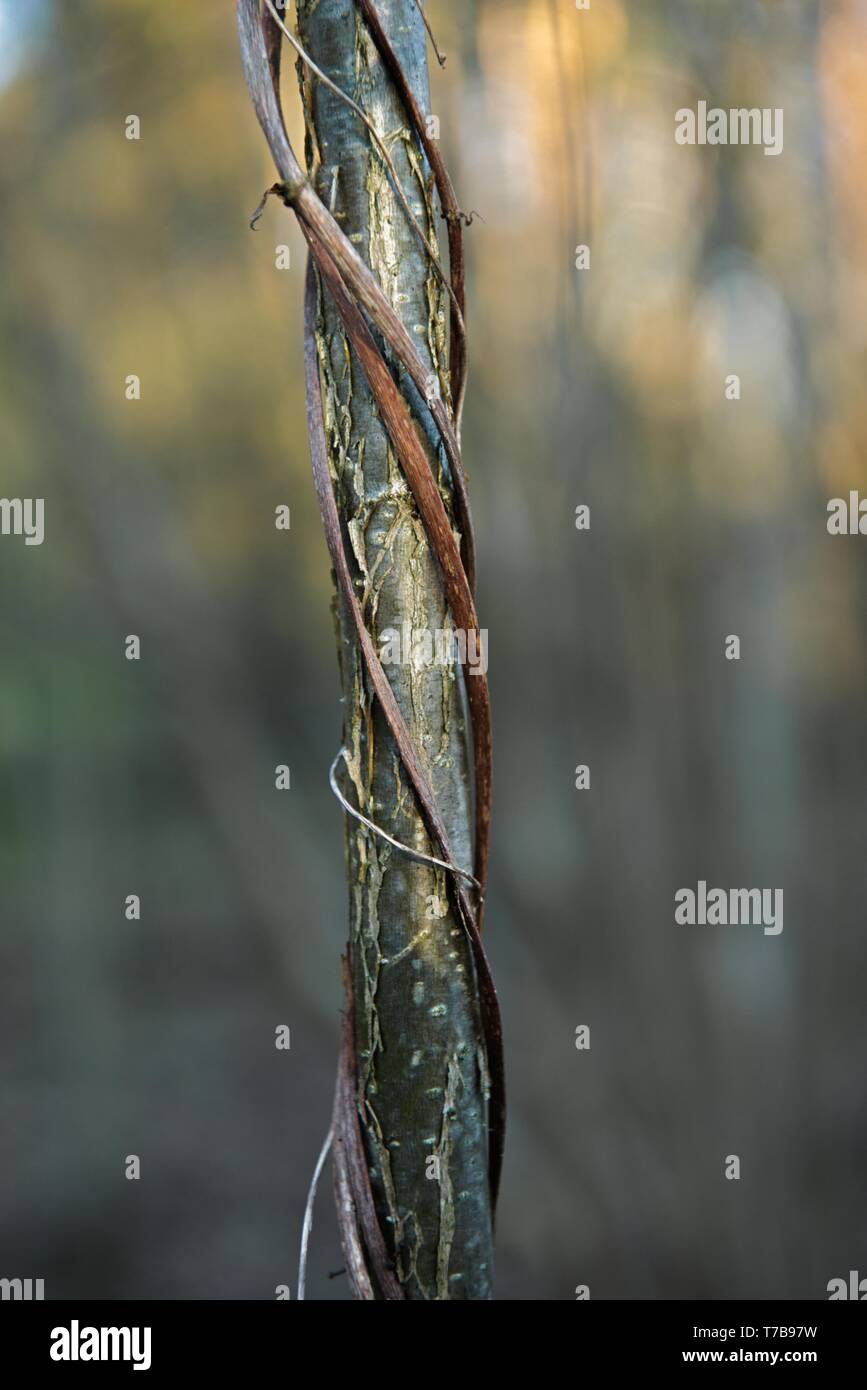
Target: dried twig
x=440, y=57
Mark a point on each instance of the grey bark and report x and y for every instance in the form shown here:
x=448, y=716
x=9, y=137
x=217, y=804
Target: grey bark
x=422, y=1071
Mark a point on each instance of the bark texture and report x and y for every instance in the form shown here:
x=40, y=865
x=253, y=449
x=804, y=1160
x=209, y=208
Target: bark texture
x=421, y=1069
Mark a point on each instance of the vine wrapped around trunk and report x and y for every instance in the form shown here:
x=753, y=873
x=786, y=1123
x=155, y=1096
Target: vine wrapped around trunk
x=419, y=1107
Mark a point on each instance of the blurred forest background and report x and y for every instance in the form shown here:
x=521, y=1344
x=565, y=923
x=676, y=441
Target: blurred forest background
x=708, y=517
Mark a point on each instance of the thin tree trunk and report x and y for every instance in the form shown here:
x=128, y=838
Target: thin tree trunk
x=418, y=1116
x=421, y=1079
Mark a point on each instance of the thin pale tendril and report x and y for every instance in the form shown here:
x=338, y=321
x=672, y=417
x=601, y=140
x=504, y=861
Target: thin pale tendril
x=308, y=1215
x=377, y=830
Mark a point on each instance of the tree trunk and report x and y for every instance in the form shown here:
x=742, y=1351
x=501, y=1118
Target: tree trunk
x=419, y=1106
x=421, y=1074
